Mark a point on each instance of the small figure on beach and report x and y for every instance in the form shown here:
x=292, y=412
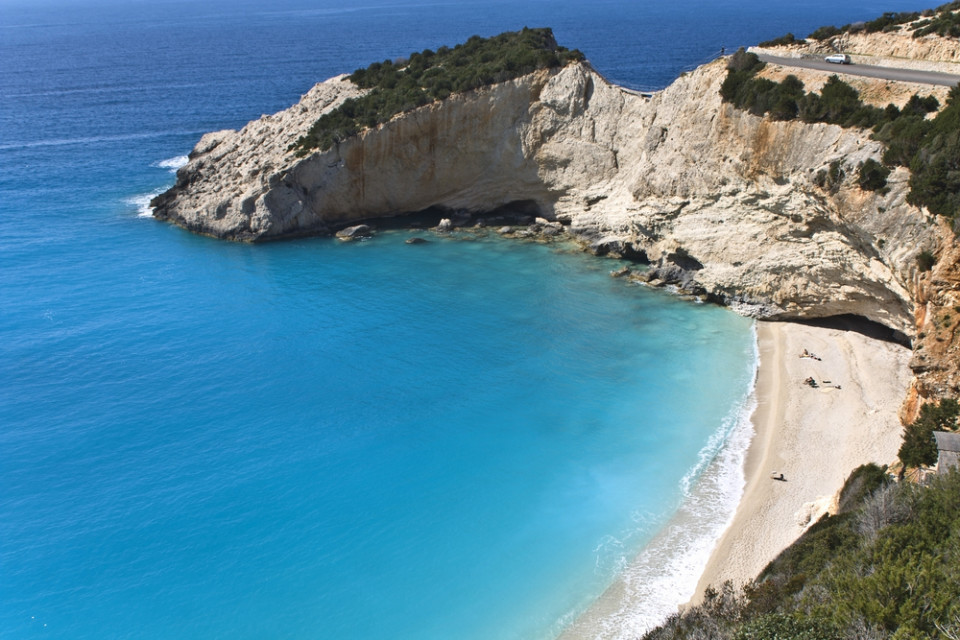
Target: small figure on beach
x=810, y=382
x=807, y=354
x=777, y=475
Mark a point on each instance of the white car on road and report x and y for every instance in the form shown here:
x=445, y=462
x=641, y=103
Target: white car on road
x=838, y=58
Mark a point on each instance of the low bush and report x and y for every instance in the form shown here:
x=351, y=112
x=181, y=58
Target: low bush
x=872, y=176
x=777, y=626
x=935, y=166
x=919, y=446
x=782, y=41
x=831, y=178
x=886, y=567
x=824, y=33
x=888, y=20
x=942, y=21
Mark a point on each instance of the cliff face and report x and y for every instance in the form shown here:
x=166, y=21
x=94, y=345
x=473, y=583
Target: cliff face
x=720, y=202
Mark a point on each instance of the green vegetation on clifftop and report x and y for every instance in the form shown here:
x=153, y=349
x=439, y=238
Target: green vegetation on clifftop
x=942, y=21
x=403, y=85
x=930, y=148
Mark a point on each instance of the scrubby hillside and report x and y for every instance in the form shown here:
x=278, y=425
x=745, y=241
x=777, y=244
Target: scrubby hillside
x=886, y=566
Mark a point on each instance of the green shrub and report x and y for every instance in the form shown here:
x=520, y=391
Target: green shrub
x=831, y=178
x=781, y=626
x=743, y=60
x=782, y=41
x=404, y=85
x=888, y=20
x=935, y=165
x=838, y=102
x=872, y=176
x=944, y=23
x=888, y=566
x=860, y=484
x=903, y=135
x=921, y=106
x=929, y=148
x=925, y=260
x=823, y=33
x=919, y=446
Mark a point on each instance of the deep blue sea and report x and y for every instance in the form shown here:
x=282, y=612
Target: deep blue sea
x=466, y=439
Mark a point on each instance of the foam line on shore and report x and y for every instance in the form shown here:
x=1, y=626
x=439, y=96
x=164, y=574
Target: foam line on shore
x=664, y=574
x=142, y=203
x=736, y=519
x=814, y=436
x=172, y=164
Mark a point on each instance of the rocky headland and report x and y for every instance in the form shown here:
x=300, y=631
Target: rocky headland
x=769, y=216
x=718, y=202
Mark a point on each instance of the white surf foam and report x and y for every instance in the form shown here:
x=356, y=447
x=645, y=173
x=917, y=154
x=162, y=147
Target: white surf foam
x=666, y=572
x=172, y=164
x=142, y=203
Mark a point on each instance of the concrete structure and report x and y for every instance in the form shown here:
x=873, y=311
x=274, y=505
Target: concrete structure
x=948, y=449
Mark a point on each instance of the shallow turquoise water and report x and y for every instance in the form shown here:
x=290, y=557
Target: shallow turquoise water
x=312, y=435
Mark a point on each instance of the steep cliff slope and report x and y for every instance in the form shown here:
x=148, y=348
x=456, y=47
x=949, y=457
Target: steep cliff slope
x=720, y=202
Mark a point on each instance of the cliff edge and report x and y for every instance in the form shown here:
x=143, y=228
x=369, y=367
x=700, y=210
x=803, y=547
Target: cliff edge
x=719, y=202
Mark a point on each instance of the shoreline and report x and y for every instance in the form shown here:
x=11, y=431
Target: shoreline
x=814, y=436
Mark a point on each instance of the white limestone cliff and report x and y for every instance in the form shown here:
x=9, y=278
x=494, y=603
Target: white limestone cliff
x=720, y=202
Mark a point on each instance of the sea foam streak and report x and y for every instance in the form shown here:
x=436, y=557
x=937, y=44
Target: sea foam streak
x=142, y=203
x=59, y=142
x=172, y=164
x=665, y=574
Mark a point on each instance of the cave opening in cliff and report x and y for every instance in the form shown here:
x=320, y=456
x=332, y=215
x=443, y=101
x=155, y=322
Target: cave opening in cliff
x=859, y=324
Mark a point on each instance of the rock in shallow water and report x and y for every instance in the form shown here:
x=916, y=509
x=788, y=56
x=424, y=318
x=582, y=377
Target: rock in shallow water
x=354, y=232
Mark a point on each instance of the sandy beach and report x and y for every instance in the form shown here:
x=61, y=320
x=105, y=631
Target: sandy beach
x=814, y=436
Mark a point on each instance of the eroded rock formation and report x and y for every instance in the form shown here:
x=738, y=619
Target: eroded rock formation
x=719, y=201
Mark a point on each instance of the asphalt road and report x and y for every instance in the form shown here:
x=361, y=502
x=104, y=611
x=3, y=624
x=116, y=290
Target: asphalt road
x=870, y=71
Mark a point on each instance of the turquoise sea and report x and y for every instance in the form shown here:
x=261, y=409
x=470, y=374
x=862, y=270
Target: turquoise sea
x=465, y=439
